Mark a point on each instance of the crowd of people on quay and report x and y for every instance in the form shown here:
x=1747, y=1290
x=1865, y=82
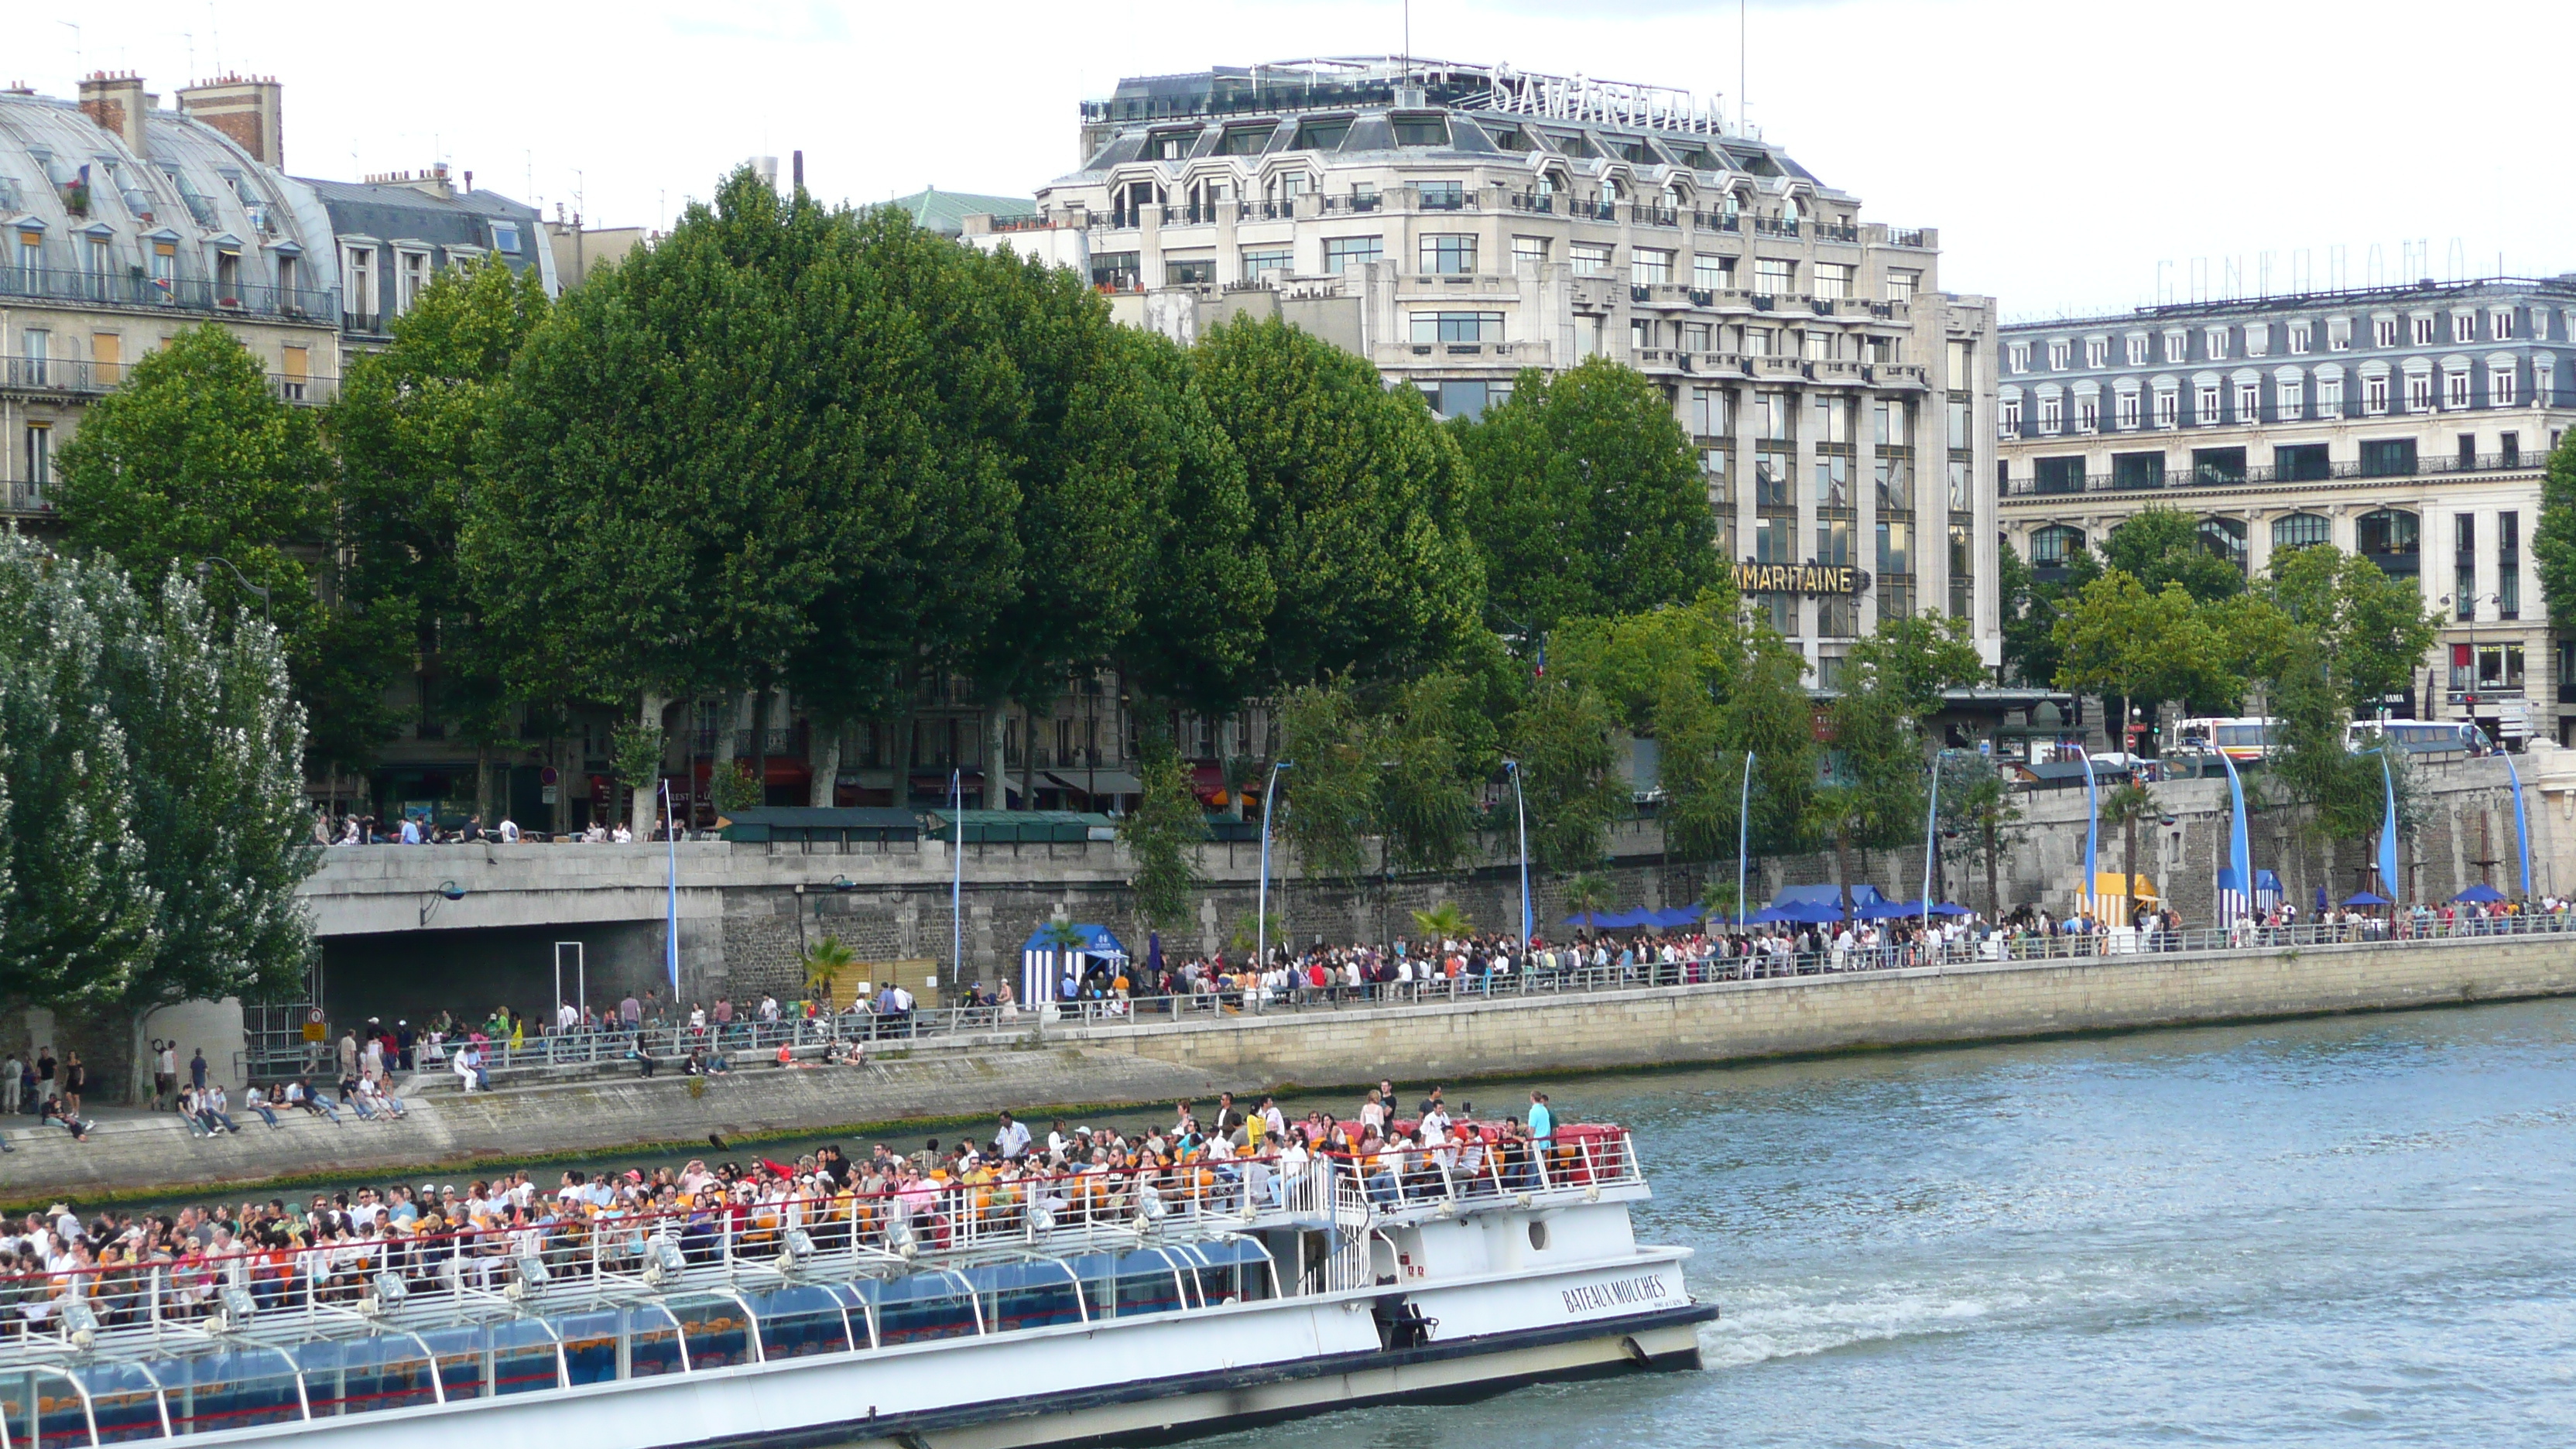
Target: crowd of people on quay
x=365, y=829
x=127, y=1265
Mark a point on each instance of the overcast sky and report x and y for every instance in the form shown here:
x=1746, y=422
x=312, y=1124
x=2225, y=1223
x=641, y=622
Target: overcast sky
x=2064, y=151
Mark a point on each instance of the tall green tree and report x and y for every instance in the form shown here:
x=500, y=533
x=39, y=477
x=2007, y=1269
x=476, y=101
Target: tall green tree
x=2030, y=607
x=1872, y=793
x=215, y=741
x=408, y=426
x=1331, y=783
x=1589, y=499
x=2160, y=546
x=2372, y=628
x=1561, y=737
x=2119, y=639
x=2553, y=539
x=1359, y=502
x=77, y=903
x=192, y=458
x=1162, y=836
x=1768, y=714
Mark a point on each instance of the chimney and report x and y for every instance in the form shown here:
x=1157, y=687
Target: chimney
x=800, y=170
x=117, y=103
x=246, y=108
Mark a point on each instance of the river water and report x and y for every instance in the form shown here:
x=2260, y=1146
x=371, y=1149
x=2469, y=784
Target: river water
x=2355, y=1231
x=2347, y=1231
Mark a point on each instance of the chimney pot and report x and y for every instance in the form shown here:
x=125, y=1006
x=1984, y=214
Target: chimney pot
x=116, y=103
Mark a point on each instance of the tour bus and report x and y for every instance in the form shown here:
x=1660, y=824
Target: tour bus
x=2241, y=739
x=2420, y=736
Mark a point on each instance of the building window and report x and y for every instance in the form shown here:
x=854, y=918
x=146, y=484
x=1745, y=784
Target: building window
x=1817, y=344
x=2500, y=322
x=415, y=279
x=2455, y=388
x=2464, y=327
x=1712, y=412
x=2387, y=457
x=2258, y=338
x=40, y=454
x=2168, y=407
x=2057, y=354
x=1773, y=277
x=2177, y=346
x=1834, y=543
x=2508, y=565
x=2338, y=334
x=2419, y=392
x=1892, y=423
x=2374, y=394
x=1648, y=267
x=2052, y=414
x=2302, y=337
x=1189, y=271
x=1713, y=274
x=2300, y=530
x=2008, y=417
x=1591, y=259
x=1529, y=254
x=1901, y=285
x=1441, y=195
x=2097, y=351
x=2017, y=357
x=2423, y=330
x=2127, y=411
x=1448, y=256
x=2249, y=402
x=505, y=236
x=2386, y=533
x=1962, y=573
x=2207, y=411
x=1257, y=260
x=2137, y=343
x=1775, y=540
x=2224, y=537
x=36, y=346
x=2137, y=470
x=2088, y=415
x=2329, y=397
x=1349, y=253
x=1833, y=279
x=1895, y=546
x=2215, y=339
x=2051, y=547
x=2499, y=668
x=2544, y=381
x=2464, y=565
x=2500, y=387
x=2383, y=331
x=1834, y=482
x=2289, y=399
x=1437, y=327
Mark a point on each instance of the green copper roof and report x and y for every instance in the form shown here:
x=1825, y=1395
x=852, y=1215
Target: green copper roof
x=945, y=212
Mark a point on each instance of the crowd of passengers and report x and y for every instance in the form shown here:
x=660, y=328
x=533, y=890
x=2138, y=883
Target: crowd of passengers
x=441, y=1238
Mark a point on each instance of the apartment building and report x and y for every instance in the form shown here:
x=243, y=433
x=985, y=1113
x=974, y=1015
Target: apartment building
x=2408, y=424
x=126, y=223
x=1456, y=224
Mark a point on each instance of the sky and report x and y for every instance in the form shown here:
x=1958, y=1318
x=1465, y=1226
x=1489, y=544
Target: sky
x=2075, y=158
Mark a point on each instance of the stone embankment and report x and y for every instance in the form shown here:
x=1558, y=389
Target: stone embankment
x=1151, y=1063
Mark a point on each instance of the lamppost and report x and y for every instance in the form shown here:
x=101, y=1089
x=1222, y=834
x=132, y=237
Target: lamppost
x=1261, y=901
x=1743, y=837
x=957, y=878
x=205, y=572
x=1520, y=810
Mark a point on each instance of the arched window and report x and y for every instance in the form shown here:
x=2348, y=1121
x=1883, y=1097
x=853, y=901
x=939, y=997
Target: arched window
x=2051, y=547
x=2301, y=530
x=2389, y=537
x=2224, y=537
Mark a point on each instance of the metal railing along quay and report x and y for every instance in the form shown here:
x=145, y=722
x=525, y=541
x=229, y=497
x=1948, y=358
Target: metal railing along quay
x=751, y=1045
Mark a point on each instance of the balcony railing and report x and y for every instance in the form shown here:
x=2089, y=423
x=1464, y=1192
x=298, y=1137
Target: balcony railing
x=1715, y=221
x=1531, y=201
x=1837, y=231
x=28, y=498
x=1353, y=203
x=180, y=294
x=1905, y=236
x=1653, y=216
x=1775, y=226
x=1428, y=200
x=2214, y=477
x=1584, y=210
x=84, y=377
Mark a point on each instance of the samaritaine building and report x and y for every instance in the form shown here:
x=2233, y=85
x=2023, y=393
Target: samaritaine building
x=1455, y=224
x=2408, y=424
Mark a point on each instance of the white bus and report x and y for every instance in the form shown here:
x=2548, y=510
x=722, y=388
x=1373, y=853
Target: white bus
x=2420, y=736
x=2240, y=738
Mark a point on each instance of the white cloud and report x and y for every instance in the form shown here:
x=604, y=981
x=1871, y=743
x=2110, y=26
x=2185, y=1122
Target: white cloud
x=2063, y=151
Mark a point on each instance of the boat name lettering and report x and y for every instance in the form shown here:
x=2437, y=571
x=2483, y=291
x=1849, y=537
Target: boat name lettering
x=1618, y=1293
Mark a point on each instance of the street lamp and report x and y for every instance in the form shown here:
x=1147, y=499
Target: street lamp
x=1261, y=901
x=1520, y=810
x=205, y=571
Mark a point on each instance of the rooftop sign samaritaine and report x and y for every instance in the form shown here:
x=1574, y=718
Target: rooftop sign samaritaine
x=1755, y=578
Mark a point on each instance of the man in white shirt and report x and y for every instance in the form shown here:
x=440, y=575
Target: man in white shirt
x=1013, y=1138
x=509, y=830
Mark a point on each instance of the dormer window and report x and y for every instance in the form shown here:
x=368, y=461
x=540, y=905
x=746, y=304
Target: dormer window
x=505, y=236
x=1430, y=130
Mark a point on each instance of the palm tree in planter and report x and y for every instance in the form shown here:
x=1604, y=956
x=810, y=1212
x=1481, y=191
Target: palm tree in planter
x=825, y=962
x=1443, y=922
x=1586, y=892
x=2127, y=805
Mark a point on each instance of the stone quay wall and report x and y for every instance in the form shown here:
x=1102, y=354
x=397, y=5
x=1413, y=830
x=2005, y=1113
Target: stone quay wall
x=1145, y=1065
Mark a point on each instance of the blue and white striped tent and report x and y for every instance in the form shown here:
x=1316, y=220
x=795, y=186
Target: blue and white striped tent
x=1044, y=968
x=2231, y=897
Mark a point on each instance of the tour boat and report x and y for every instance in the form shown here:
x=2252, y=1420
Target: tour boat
x=1069, y=1310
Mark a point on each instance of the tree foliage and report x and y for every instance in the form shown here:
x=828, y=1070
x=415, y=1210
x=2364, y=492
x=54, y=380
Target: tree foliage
x=1162, y=836
x=2160, y=546
x=2553, y=539
x=1588, y=498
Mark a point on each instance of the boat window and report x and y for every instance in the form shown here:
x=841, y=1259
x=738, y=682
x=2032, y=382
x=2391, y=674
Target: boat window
x=921, y=1307
x=652, y=1343
x=1228, y=1269
x=715, y=1331
x=231, y=1389
x=124, y=1402
x=589, y=1347
x=1147, y=1284
x=461, y=1353
x=1027, y=1295
x=799, y=1322
x=362, y=1375
x=43, y=1409
x=523, y=1357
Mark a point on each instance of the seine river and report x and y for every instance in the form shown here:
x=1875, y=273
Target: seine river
x=2350, y=1231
